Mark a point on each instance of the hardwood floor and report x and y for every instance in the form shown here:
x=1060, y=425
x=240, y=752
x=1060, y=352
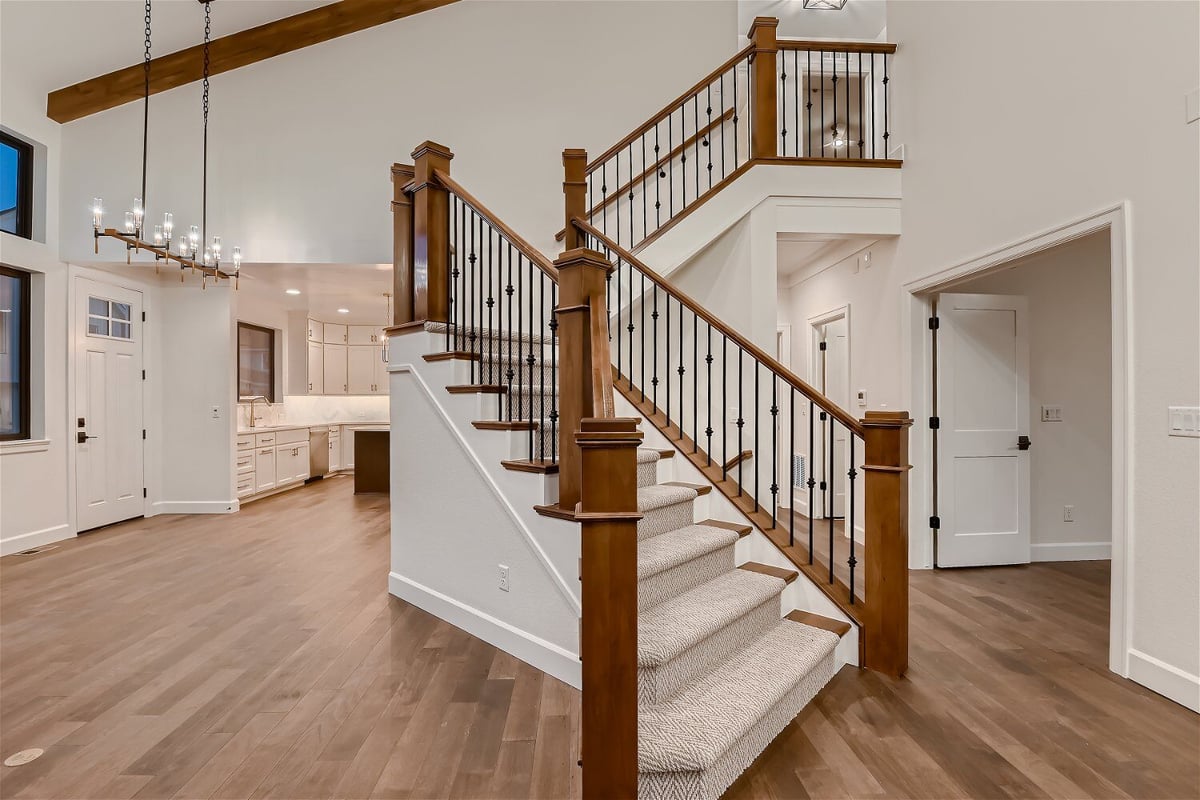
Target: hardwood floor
x=259, y=656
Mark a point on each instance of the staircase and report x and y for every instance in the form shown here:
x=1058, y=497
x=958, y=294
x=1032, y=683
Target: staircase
x=700, y=639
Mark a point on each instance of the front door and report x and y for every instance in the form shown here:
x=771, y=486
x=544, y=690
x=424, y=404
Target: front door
x=107, y=428
x=982, y=450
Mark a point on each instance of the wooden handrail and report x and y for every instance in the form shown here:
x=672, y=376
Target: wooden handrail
x=524, y=247
x=602, y=375
x=836, y=47
x=670, y=107
x=842, y=416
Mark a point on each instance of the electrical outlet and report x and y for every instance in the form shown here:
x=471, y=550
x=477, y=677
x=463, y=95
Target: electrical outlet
x=1068, y=513
x=504, y=578
x=862, y=398
x=867, y=259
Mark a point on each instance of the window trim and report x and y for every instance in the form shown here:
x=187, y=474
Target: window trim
x=25, y=281
x=270, y=395
x=24, y=184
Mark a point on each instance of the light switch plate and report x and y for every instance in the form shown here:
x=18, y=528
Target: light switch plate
x=1183, y=421
x=1052, y=414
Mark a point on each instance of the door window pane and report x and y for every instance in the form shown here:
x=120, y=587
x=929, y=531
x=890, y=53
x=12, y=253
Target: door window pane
x=97, y=326
x=120, y=310
x=98, y=306
x=14, y=354
x=108, y=318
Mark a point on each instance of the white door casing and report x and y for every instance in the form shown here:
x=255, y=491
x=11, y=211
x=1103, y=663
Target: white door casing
x=983, y=409
x=107, y=429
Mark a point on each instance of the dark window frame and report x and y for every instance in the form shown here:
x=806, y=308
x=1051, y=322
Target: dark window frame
x=270, y=394
x=24, y=279
x=24, y=184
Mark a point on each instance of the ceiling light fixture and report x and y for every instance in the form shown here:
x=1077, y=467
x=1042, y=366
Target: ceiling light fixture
x=825, y=5
x=291, y=291
x=193, y=250
x=343, y=311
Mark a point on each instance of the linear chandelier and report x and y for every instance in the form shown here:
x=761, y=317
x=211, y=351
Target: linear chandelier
x=192, y=250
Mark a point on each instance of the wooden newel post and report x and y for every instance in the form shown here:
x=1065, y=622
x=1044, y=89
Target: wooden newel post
x=886, y=467
x=574, y=194
x=764, y=141
x=431, y=244
x=582, y=274
x=608, y=632
x=402, y=244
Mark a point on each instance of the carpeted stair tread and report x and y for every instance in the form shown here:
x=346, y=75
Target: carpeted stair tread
x=646, y=455
x=660, y=496
x=673, y=548
x=672, y=627
x=690, y=731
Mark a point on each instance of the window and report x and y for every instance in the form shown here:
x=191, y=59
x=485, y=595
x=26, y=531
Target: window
x=108, y=318
x=16, y=186
x=14, y=354
x=256, y=361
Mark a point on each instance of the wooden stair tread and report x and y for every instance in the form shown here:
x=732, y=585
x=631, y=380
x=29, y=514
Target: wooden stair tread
x=787, y=575
x=665, y=453
x=745, y=455
x=556, y=512
x=740, y=529
x=501, y=425
x=452, y=355
x=531, y=465
x=477, y=388
x=817, y=621
x=700, y=488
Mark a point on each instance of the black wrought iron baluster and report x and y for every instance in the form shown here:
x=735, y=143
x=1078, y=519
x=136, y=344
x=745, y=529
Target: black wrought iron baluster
x=861, y=140
x=886, y=134
x=874, y=133
x=631, y=327
x=552, y=388
x=667, y=354
x=783, y=76
x=493, y=339
x=654, y=352
x=812, y=481
x=741, y=422
x=708, y=135
x=724, y=408
x=591, y=187
x=792, y=467
x=472, y=260
x=735, y=118
x=645, y=222
x=708, y=430
x=681, y=370
x=520, y=362
x=821, y=143
x=658, y=173
x=808, y=104
x=531, y=360
x=618, y=325
x=757, y=451
x=831, y=492
x=642, y=382
x=453, y=271
x=696, y=139
x=670, y=166
x=774, y=450
x=796, y=84
x=695, y=384
x=540, y=388
x=850, y=498
x=604, y=197
x=509, y=290
x=722, y=119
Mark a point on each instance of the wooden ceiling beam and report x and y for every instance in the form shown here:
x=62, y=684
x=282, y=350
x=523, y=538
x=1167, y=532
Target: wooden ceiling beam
x=228, y=53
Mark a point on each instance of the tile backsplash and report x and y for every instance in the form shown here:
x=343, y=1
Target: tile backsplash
x=316, y=409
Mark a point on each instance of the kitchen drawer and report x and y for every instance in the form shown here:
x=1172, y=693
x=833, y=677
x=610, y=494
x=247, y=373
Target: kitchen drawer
x=245, y=484
x=295, y=436
x=244, y=462
x=244, y=442
x=264, y=439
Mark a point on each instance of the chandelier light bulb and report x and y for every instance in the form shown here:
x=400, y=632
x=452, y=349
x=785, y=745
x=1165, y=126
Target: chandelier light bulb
x=237, y=258
x=208, y=257
x=129, y=222
x=97, y=213
x=138, y=214
x=216, y=248
x=158, y=235
x=194, y=238
x=168, y=226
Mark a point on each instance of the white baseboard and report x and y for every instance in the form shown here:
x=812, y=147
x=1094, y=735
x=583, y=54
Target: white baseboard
x=25, y=541
x=537, y=652
x=1159, y=676
x=194, y=507
x=1071, y=551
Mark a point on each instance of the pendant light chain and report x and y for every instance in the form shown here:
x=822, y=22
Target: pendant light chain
x=204, y=191
x=146, y=105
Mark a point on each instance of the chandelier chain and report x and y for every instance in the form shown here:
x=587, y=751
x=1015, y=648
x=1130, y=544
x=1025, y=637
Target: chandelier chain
x=145, y=103
x=204, y=178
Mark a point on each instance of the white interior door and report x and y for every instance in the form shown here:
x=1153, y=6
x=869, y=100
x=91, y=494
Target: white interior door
x=833, y=360
x=108, y=404
x=983, y=406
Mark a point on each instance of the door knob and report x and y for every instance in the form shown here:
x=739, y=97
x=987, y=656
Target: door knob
x=1023, y=442
x=82, y=437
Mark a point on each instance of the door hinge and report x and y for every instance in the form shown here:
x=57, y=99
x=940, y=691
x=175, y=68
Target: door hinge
x=822, y=486
x=934, y=324
x=935, y=522
x=824, y=416
x=143, y=433
x=143, y=374
x=935, y=423
x=821, y=346
x=143, y=316
x=143, y=491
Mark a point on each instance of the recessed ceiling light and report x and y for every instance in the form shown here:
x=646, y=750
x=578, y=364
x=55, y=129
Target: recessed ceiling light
x=343, y=311
x=292, y=291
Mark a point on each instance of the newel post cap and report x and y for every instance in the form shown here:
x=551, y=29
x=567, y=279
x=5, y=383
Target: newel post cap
x=583, y=257
x=431, y=148
x=887, y=419
x=767, y=25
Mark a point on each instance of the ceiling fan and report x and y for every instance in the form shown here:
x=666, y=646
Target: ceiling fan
x=837, y=137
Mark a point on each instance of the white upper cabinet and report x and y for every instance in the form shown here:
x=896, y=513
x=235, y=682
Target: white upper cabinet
x=316, y=331
x=316, y=368
x=328, y=358
x=335, y=334
x=360, y=368
x=364, y=334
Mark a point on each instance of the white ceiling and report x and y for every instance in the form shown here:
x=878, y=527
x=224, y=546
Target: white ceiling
x=61, y=42
x=324, y=288
x=799, y=256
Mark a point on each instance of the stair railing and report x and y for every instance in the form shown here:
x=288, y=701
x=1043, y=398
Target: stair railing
x=776, y=101
x=787, y=444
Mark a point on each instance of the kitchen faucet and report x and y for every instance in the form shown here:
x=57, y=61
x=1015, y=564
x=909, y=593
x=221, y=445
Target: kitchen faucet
x=252, y=401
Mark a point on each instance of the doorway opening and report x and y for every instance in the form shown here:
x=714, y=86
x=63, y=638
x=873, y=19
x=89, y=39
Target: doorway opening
x=830, y=374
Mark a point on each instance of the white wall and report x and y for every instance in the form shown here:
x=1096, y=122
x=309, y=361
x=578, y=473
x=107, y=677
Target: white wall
x=860, y=19
x=1070, y=366
x=301, y=144
x=35, y=507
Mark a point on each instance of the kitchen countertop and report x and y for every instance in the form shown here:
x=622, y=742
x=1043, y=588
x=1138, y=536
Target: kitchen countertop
x=292, y=426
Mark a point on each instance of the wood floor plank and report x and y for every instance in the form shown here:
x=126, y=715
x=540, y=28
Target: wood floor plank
x=259, y=655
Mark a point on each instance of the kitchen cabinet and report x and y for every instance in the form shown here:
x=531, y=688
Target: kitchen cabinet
x=334, y=333
x=347, y=447
x=364, y=335
x=264, y=468
x=291, y=463
x=316, y=368
x=335, y=448
x=334, y=372
x=360, y=368
x=381, y=372
x=316, y=331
